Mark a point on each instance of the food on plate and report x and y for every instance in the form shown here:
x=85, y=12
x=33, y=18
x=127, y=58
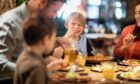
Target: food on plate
x=123, y=68
x=132, y=62
x=136, y=72
x=96, y=68
x=72, y=77
x=133, y=74
x=101, y=57
x=127, y=74
x=98, y=58
x=68, y=68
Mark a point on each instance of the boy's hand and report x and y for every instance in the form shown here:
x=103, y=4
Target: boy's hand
x=56, y=65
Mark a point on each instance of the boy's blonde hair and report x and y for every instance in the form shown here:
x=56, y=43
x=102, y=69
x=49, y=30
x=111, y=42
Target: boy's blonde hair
x=78, y=16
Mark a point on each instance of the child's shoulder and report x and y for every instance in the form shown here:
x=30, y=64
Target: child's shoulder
x=26, y=62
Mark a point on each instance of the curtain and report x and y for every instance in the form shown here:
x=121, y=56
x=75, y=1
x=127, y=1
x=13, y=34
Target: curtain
x=6, y=5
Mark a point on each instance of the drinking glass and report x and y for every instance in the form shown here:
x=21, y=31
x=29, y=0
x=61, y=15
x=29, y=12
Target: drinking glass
x=67, y=55
x=108, y=69
x=81, y=60
x=73, y=56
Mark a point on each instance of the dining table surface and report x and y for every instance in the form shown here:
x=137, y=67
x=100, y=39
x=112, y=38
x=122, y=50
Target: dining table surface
x=96, y=77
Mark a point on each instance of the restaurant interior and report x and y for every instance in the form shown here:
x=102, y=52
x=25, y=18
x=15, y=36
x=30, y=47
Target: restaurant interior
x=105, y=21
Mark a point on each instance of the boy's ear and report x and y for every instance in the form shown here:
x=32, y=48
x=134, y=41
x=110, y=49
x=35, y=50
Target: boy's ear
x=45, y=39
x=66, y=25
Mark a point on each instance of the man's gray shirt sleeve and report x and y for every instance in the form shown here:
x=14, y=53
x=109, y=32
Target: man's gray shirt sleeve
x=11, y=40
x=11, y=36
x=7, y=45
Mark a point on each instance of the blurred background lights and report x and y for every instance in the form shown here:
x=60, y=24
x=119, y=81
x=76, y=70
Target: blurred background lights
x=69, y=7
x=118, y=4
x=118, y=13
x=94, y=2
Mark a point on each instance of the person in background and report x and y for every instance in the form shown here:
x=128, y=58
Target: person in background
x=128, y=46
x=11, y=38
x=75, y=25
x=39, y=34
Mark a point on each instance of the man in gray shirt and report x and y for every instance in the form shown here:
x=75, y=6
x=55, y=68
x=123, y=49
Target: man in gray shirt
x=11, y=38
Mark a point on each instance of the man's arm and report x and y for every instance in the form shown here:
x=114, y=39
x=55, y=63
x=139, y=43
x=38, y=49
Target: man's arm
x=7, y=45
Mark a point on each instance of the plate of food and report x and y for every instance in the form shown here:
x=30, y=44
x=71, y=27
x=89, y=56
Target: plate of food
x=127, y=77
x=98, y=58
x=123, y=68
x=133, y=75
x=71, y=78
x=132, y=62
x=78, y=69
x=96, y=68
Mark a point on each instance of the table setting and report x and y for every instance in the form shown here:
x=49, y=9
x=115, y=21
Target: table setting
x=102, y=70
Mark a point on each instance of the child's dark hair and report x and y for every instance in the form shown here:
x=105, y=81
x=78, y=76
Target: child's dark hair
x=37, y=27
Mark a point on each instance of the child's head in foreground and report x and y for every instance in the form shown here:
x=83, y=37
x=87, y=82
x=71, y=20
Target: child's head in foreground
x=40, y=31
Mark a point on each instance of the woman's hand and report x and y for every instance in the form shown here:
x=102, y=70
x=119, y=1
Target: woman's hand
x=127, y=41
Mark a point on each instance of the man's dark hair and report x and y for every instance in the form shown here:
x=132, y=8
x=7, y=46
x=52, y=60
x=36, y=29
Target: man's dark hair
x=52, y=1
x=138, y=2
x=36, y=27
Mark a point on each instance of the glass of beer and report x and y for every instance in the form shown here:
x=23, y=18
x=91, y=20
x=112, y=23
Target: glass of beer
x=73, y=56
x=108, y=69
x=66, y=55
x=82, y=59
x=70, y=55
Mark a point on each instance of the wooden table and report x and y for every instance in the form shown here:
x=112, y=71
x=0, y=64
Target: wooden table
x=96, y=78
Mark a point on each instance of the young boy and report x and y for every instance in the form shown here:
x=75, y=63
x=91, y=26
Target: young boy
x=75, y=25
x=39, y=34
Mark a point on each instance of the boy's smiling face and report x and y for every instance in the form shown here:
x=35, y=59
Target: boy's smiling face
x=75, y=27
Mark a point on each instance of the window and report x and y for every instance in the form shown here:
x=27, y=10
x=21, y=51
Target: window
x=69, y=7
x=93, y=9
x=119, y=10
x=93, y=12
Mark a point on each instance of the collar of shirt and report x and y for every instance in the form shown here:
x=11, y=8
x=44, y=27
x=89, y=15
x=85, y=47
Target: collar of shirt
x=24, y=10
